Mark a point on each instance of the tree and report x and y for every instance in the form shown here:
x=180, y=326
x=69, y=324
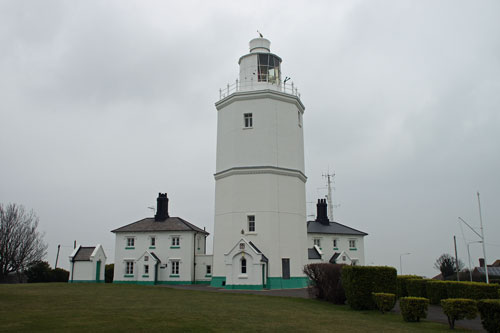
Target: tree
x=446, y=264
x=21, y=244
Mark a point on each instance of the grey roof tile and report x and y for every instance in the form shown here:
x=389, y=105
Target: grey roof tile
x=170, y=224
x=84, y=253
x=332, y=228
x=334, y=257
x=313, y=254
x=495, y=271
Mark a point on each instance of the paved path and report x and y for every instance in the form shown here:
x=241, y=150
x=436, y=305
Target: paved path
x=435, y=313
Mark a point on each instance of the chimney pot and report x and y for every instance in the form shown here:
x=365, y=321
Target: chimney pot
x=161, y=207
x=481, y=262
x=321, y=214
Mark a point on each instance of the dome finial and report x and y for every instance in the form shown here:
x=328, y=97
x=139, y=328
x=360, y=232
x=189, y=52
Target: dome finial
x=260, y=34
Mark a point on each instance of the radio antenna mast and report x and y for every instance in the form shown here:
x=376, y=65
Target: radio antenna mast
x=329, y=178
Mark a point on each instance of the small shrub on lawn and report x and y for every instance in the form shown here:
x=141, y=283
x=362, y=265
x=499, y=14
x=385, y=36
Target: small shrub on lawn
x=436, y=291
x=402, y=290
x=325, y=282
x=489, y=309
x=361, y=281
x=385, y=302
x=458, y=309
x=417, y=287
x=413, y=308
x=471, y=290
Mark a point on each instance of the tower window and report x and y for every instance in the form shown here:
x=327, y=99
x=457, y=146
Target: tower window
x=251, y=223
x=248, y=120
x=268, y=68
x=243, y=266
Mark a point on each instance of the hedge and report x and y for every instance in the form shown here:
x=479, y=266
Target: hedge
x=361, y=281
x=458, y=309
x=417, y=287
x=471, y=290
x=413, y=308
x=402, y=290
x=385, y=302
x=325, y=282
x=489, y=309
x=436, y=291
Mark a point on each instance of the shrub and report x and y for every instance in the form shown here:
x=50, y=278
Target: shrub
x=417, y=287
x=59, y=275
x=458, y=309
x=402, y=290
x=490, y=314
x=436, y=291
x=413, y=308
x=471, y=290
x=109, y=272
x=385, y=302
x=361, y=281
x=39, y=272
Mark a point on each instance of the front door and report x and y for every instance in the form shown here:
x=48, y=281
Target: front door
x=285, y=265
x=98, y=271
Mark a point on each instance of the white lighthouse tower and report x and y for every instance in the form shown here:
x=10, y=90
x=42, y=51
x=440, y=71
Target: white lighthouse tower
x=260, y=232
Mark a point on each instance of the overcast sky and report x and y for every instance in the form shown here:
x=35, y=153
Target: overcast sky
x=103, y=104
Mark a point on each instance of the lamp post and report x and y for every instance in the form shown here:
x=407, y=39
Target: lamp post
x=401, y=261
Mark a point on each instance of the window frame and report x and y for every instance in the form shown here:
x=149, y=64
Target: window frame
x=248, y=120
x=129, y=268
x=352, y=244
x=146, y=269
x=175, y=270
x=129, y=242
x=175, y=242
x=317, y=242
x=251, y=223
x=243, y=266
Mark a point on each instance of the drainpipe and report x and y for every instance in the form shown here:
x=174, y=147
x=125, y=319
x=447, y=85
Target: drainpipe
x=72, y=268
x=194, y=258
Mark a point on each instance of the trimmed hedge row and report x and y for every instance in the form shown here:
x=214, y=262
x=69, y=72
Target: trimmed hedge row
x=417, y=287
x=438, y=290
x=490, y=314
x=385, y=302
x=361, y=281
x=402, y=290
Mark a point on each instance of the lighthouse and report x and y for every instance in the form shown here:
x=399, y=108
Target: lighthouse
x=260, y=230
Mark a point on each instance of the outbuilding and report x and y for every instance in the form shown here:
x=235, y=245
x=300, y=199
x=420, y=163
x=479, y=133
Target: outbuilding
x=87, y=264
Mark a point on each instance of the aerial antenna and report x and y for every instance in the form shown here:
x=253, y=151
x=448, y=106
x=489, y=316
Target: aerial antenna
x=329, y=178
x=260, y=34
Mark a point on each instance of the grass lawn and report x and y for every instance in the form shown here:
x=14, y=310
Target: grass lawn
x=108, y=307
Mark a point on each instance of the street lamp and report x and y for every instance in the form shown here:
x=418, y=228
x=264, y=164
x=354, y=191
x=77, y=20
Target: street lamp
x=468, y=253
x=401, y=261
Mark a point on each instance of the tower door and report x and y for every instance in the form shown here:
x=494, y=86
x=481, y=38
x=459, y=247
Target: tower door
x=285, y=264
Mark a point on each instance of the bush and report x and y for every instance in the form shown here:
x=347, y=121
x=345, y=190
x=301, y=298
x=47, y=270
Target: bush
x=109, y=272
x=59, y=275
x=436, y=291
x=325, y=282
x=385, y=302
x=458, y=309
x=39, y=272
x=490, y=314
x=471, y=290
x=413, y=308
x=417, y=287
x=401, y=281
x=361, y=281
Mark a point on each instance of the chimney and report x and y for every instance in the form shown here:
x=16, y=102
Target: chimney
x=481, y=262
x=161, y=207
x=321, y=214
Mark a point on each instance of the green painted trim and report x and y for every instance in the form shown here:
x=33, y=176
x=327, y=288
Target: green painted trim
x=353, y=249
x=244, y=286
x=128, y=275
x=335, y=248
x=217, y=281
x=174, y=282
x=130, y=248
x=144, y=283
x=202, y=282
x=175, y=247
x=145, y=276
x=292, y=283
x=208, y=275
x=152, y=247
x=174, y=275
x=85, y=281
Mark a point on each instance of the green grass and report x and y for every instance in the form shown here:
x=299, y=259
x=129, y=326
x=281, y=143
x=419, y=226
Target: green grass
x=108, y=307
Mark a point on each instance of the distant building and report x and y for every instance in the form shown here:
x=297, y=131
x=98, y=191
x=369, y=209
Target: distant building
x=479, y=273
x=329, y=241
x=87, y=264
x=161, y=250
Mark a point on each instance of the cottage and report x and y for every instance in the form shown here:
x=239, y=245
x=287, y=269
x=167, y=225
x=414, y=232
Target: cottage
x=87, y=264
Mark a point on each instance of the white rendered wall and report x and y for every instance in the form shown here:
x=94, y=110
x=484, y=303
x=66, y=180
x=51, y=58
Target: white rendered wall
x=202, y=260
x=163, y=250
x=83, y=271
x=326, y=246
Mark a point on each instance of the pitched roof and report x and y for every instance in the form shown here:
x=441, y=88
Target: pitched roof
x=334, y=257
x=492, y=271
x=332, y=228
x=155, y=256
x=264, y=258
x=84, y=253
x=313, y=254
x=170, y=224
